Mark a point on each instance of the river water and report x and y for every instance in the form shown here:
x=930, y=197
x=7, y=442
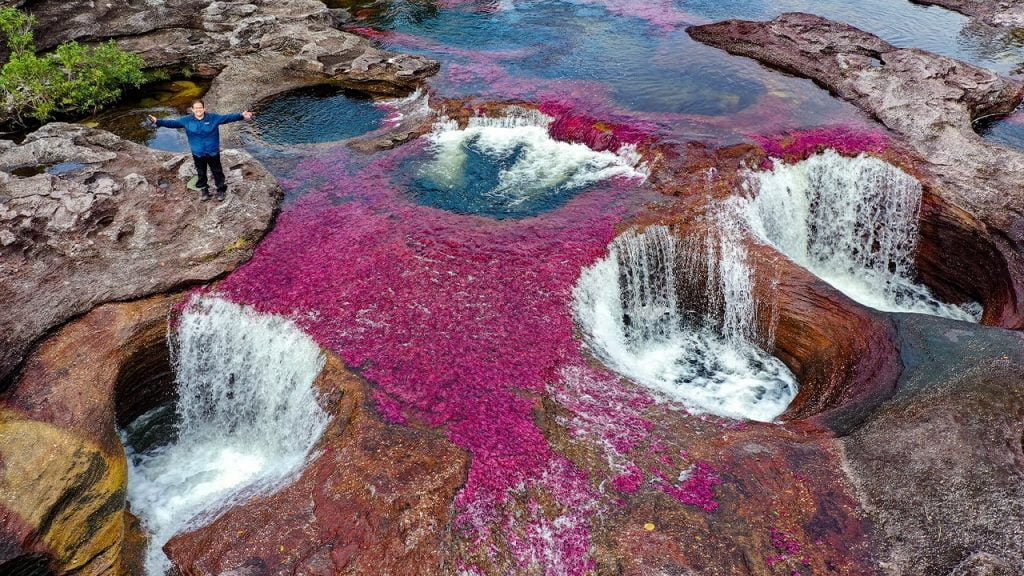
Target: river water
x=470, y=270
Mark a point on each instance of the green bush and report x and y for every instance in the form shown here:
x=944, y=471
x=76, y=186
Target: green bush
x=73, y=79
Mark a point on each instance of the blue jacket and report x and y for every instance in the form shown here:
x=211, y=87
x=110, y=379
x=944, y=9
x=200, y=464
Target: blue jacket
x=203, y=135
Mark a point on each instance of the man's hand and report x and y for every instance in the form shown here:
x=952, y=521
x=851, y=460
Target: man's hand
x=247, y=115
x=151, y=118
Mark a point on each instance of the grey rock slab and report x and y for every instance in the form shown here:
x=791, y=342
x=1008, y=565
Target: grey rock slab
x=120, y=227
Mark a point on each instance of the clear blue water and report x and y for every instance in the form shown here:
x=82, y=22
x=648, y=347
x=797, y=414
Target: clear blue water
x=625, y=61
x=479, y=187
x=315, y=115
x=633, y=60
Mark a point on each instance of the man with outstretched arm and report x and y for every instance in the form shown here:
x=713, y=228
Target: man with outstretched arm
x=203, y=131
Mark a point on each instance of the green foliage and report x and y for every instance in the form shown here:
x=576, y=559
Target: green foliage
x=16, y=26
x=73, y=79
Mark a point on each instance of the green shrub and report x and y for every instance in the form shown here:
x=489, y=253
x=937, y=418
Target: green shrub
x=72, y=79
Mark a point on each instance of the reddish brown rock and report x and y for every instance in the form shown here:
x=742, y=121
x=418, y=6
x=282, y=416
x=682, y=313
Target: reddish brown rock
x=63, y=472
x=928, y=100
x=376, y=500
x=112, y=220
x=777, y=504
x=937, y=463
x=843, y=354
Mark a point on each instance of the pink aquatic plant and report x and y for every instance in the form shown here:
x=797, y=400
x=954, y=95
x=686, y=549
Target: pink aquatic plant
x=630, y=480
x=698, y=488
x=458, y=321
x=799, y=145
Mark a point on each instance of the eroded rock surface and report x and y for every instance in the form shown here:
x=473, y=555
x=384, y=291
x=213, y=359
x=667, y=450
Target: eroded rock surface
x=63, y=472
x=376, y=499
x=106, y=219
x=256, y=48
x=929, y=100
x=939, y=467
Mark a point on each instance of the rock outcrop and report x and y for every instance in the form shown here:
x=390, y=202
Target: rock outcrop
x=1006, y=13
x=63, y=472
x=930, y=101
x=376, y=498
x=939, y=466
x=936, y=464
x=255, y=48
x=95, y=219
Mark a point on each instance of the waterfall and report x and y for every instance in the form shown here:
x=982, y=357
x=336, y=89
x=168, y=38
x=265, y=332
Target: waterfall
x=510, y=163
x=628, y=306
x=853, y=223
x=247, y=417
x=647, y=276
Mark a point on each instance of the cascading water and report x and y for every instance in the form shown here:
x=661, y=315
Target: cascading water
x=629, y=308
x=853, y=223
x=510, y=166
x=246, y=419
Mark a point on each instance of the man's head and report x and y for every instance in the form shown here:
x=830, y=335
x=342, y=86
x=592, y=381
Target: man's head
x=198, y=108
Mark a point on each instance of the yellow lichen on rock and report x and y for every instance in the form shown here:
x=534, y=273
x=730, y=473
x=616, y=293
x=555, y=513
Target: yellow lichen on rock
x=66, y=489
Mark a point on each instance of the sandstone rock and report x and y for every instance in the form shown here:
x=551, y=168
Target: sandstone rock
x=1008, y=13
x=258, y=47
x=376, y=498
x=112, y=220
x=63, y=472
x=375, y=501
x=929, y=100
x=938, y=467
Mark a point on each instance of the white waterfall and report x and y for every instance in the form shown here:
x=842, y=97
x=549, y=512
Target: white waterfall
x=247, y=418
x=628, y=306
x=853, y=223
x=533, y=163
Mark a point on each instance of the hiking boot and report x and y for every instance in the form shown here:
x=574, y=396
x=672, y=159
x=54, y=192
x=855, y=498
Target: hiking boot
x=204, y=194
x=221, y=194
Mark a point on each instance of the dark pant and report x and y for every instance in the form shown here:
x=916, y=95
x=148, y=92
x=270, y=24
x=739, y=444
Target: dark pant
x=218, y=172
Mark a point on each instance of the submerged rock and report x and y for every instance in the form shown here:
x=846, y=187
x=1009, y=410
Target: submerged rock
x=97, y=219
x=929, y=100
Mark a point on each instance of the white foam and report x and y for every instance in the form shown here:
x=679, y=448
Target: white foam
x=853, y=223
x=544, y=165
x=248, y=418
x=628, y=307
x=412, y=107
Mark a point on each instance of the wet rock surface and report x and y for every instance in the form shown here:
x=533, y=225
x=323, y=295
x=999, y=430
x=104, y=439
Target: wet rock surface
x=64, y=472
x=375, y=500
x=929, y=101
x=939, y=466
x=102, y=219
x=936, y=461
x=254, y=48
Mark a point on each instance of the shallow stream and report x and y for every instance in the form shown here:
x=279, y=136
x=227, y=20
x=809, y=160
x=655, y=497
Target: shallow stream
x=483, y=263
